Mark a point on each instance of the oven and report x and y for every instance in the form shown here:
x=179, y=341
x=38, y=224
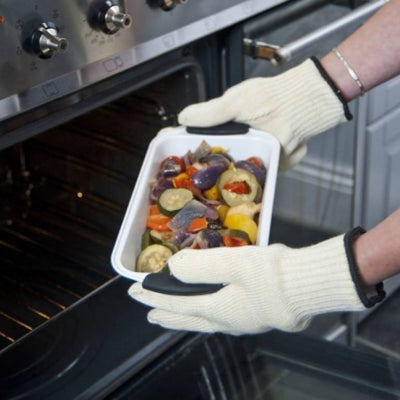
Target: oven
x=85, y=86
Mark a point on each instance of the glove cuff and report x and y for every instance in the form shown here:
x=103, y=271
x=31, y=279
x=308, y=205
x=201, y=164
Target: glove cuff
x=334, y=88
x=368, y=299
x=307, y=103
x=320, y=279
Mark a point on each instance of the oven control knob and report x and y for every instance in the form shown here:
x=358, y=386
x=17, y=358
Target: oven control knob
x=166, y=5
x=45, y=41
x=109, y=17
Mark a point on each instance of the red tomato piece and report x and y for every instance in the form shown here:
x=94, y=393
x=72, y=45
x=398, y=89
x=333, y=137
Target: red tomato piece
x=172, y=165
x=231, y=241
x=238, y=187
x=257, y=161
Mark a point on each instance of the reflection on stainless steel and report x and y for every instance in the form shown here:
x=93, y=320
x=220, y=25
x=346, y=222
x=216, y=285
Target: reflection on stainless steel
x=112, y=40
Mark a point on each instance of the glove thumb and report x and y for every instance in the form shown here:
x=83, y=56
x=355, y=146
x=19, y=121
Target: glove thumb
x=198, y=266
x=209, y=113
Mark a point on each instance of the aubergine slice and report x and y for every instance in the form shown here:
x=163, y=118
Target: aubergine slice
x=253, y=191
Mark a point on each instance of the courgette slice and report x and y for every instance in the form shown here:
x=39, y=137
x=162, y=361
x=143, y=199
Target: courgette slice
x=237, y=233
x=153, y=258
x=173, y=200
x=238, y=175
x=146, y=239
x=163, y=238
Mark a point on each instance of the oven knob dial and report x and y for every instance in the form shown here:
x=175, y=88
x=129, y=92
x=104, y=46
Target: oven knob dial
x=168, y=5
x=110, y=17
x=45, y=41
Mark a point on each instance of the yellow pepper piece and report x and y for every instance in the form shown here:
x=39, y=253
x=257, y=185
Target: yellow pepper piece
x=181, y=176
x=244, y=223
x=218, y=149
x=222, y=210
x=212, y=193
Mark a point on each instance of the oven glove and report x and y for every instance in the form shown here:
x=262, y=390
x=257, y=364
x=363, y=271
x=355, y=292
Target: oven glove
x=293, y=106
x=265, y=287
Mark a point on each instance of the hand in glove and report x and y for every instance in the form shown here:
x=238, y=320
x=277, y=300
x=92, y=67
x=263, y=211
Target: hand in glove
x=293, y=106
x=266, y=287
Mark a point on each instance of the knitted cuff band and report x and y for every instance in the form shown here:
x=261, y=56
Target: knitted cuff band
x=333, y=86
x=368, y=301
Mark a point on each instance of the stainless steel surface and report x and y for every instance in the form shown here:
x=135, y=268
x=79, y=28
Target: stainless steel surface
x=281, y=54
x=94, y=54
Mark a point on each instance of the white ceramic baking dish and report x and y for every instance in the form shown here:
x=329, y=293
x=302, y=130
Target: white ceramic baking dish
x=177, y=141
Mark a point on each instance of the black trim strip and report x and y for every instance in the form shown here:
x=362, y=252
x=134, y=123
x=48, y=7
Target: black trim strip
x=333, y=86
x=349, y=239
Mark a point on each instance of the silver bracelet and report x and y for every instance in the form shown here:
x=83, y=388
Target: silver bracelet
x=350, y=71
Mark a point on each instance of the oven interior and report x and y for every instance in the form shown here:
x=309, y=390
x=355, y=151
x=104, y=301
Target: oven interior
x=63, y=196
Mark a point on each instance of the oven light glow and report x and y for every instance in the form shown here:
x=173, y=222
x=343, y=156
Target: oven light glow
x=1, y=19
x=79, y=195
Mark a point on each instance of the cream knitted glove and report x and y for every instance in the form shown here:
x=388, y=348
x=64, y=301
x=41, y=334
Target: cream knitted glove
x=293, y=106
x=266, y=287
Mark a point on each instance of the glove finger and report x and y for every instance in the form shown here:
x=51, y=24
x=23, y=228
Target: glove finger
x=209, y=113
x=172, y=320
x=199, y=305
x=218, y=265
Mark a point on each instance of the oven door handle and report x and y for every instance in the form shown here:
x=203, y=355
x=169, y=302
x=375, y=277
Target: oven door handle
x=168, y=284
x=278, y=55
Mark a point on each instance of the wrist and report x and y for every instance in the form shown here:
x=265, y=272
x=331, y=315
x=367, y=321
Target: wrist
x=340, y=76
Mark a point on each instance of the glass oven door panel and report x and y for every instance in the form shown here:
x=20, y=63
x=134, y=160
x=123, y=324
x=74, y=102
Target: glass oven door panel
x=294, y=366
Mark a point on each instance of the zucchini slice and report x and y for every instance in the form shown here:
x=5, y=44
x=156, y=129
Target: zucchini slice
x=173, y=200
x=153, y=258
x=163, y=238
x=238, y=176
x=237, y=233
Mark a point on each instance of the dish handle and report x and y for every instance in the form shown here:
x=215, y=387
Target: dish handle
x=167, y=284
x=229, y=128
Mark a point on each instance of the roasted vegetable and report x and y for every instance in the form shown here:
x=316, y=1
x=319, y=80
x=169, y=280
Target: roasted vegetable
x=244, y=223
x=259, y=172
x=193, y=209
x=153, y=258
x=173, y=200
x=158, y=222
x=208, y=238
x=172, y=166
x=206, y=178
x=237, y=186
x=249, y=209
x=201, y=200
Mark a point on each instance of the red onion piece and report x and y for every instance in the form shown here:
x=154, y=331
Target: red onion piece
x=158, y=187
x=193, y=209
